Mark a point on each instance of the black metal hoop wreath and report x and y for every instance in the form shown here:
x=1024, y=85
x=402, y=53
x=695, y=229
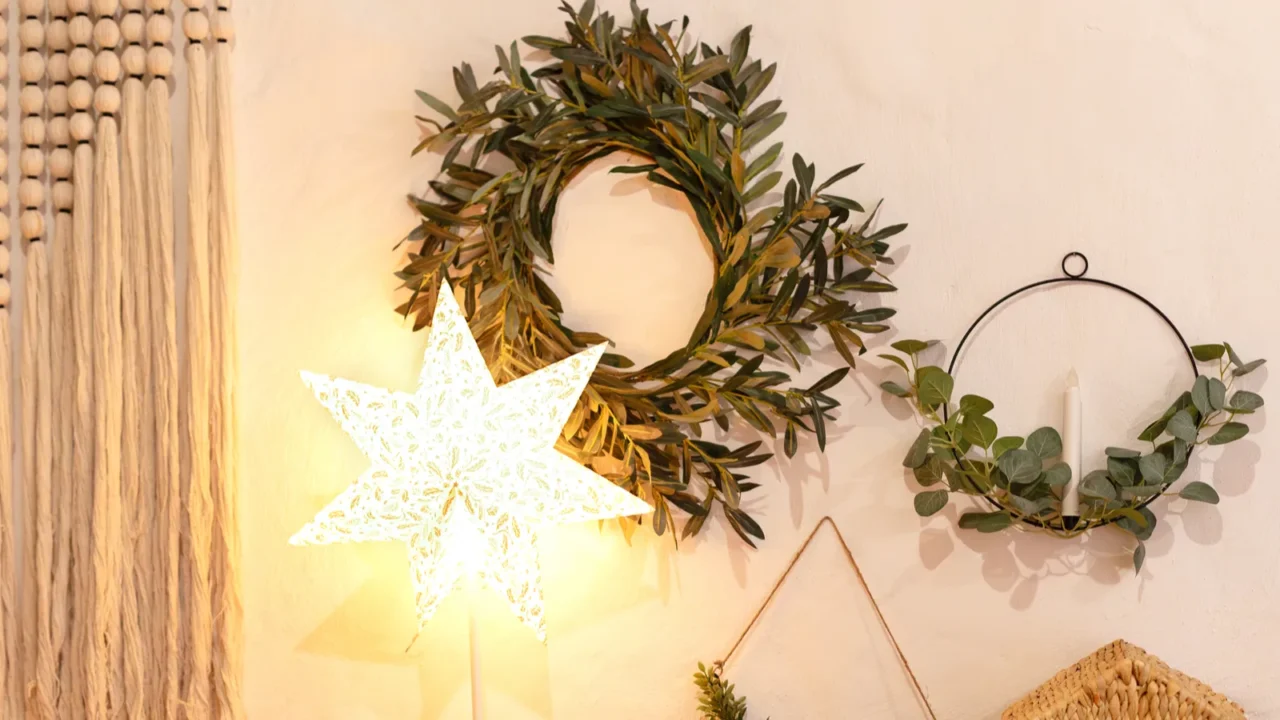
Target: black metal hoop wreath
x=1068, y=277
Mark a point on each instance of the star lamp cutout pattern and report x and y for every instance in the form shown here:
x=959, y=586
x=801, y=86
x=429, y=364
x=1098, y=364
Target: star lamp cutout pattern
x=463, y=471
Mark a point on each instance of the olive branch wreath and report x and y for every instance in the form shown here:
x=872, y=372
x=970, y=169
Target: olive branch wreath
x=783, y=272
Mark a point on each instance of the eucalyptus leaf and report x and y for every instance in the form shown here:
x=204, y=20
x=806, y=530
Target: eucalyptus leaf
x=929, y=503
x=1139, y=522
x=1005, y=444
x=1123, y=471
x=1153, y=468
x=1058, y=475
x=1122, y=453
x=975, y=405
x=931, y=472
x=1217, y=394
x=1248, y=367
x=1045, y=442
x=1200, y=395
x=934, y=386
x=1020, y=466
x=1096, y=485
x=1200, y=492
x=1244, y=402
x=1139, y=557
x=910, y=347
x=894, y=388
x=1182, y=426
x=979, y=430
x=919, y=452
x=986, y=522
x=1207, y=353
x=1229, y=432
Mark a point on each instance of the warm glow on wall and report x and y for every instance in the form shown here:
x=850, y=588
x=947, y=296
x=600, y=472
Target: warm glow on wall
x=463, y=471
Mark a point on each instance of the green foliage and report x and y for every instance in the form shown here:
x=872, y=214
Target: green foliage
x=801, y=267
x=716, y=700
x=1025, y=480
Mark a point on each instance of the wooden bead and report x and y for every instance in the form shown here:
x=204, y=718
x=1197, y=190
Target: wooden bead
x=80, y=62
x=30, y=7
x=132, y=27
x=59, y=35
x=132, y=5
x=4, y=237
x=158, y=6
x=134, y=60
x=223, y=27
x=106, y=67
x=4, y=137
x=160, y=61
x=57, y=100
x=32, y=224
x=31, y=33
x=31, y=67
x=105, y=8
x=4, y=26
x=4, y=67
x=82, y=127
x=33, y=131
x=80, y=95
x=106, y=33
x=31, y=100
x=31, y=162
x=59, y=134
x=4, y=194
x=4, y=284
x=80, y=30
x=4, y=259
x=159, y=29
x=4, y=102
x=63, y=196
x=58, y=8
x=78, y=7
x=4, y=162
x=193, y=4
x=107, y=99
x=61, y=163
x=195, y=25
x=30, y=193
x=59, y=68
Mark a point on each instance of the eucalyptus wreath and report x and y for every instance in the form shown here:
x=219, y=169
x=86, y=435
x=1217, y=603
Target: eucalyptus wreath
x=784, y=272
x=960, y=451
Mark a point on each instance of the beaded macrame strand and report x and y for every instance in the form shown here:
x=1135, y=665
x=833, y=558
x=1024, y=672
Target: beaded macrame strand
x=227, y=605
x=10, y=658
x=39, y=657
x=85, y=674
x=167, y=627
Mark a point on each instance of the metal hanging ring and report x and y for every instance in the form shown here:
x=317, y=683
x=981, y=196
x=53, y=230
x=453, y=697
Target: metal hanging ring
x=1068, y=277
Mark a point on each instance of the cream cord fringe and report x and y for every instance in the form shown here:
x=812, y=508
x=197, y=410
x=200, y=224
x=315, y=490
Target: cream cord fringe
x=164, y=365
x=83, y=673
x=137, y=467
x=228, y=608
x=195, y=416
x=105, y=688
x=10, y=663
x=63, y=480
x=37, y=406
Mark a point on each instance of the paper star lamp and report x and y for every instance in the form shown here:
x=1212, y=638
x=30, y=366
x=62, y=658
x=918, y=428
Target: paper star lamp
x=463, y=471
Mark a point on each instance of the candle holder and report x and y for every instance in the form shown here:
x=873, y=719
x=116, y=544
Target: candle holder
x=961, y=451
x=1069, y=277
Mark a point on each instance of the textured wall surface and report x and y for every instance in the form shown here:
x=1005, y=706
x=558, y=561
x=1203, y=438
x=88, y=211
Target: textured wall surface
x=1007, y=132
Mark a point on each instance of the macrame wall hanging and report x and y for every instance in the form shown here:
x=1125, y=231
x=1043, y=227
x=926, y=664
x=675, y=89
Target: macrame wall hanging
x=119, y=592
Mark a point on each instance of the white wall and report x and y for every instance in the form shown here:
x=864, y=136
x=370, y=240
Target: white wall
x=1007, y=132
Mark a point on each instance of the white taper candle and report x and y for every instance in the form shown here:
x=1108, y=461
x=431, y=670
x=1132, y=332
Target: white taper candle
x=1071, y=450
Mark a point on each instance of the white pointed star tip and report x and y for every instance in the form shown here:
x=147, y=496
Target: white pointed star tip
x=1073, y=380
x=300, y=538
x=311, y=379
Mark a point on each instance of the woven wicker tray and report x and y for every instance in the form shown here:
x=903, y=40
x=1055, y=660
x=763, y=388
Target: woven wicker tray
x=1122, y=682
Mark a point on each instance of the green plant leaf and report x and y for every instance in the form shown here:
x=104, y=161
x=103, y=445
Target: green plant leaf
x=975, y=405
x=438, y=106
x=1020, y=466
x=929, y=503
x=1154, y=430
x=1207, y=353
x=910, y=347
x=1139, y=522
x=1182, y=426
x=894, y=388
x=1123, y=453
x=1153, y=467
x=979, y=430
x=896, y=361
x=1200, y=492
x=1248, y=367
x=931, y=472
x=919, y=451
x=1200, y=395
x=1058, y=475
x=1217, y=394
x=1123, y=471
x=1230, y=432
x=1005, y=444
x=934, y=385
x=1045, y=442
x=1139, y=557
x=1244, y=402
x=1096, y=485
x=986, y=522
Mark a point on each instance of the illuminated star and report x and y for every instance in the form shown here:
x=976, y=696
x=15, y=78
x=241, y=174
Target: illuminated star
x=463, y=471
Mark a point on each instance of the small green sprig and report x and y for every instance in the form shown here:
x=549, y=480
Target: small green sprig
x=961, y=451
x=716, y=699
